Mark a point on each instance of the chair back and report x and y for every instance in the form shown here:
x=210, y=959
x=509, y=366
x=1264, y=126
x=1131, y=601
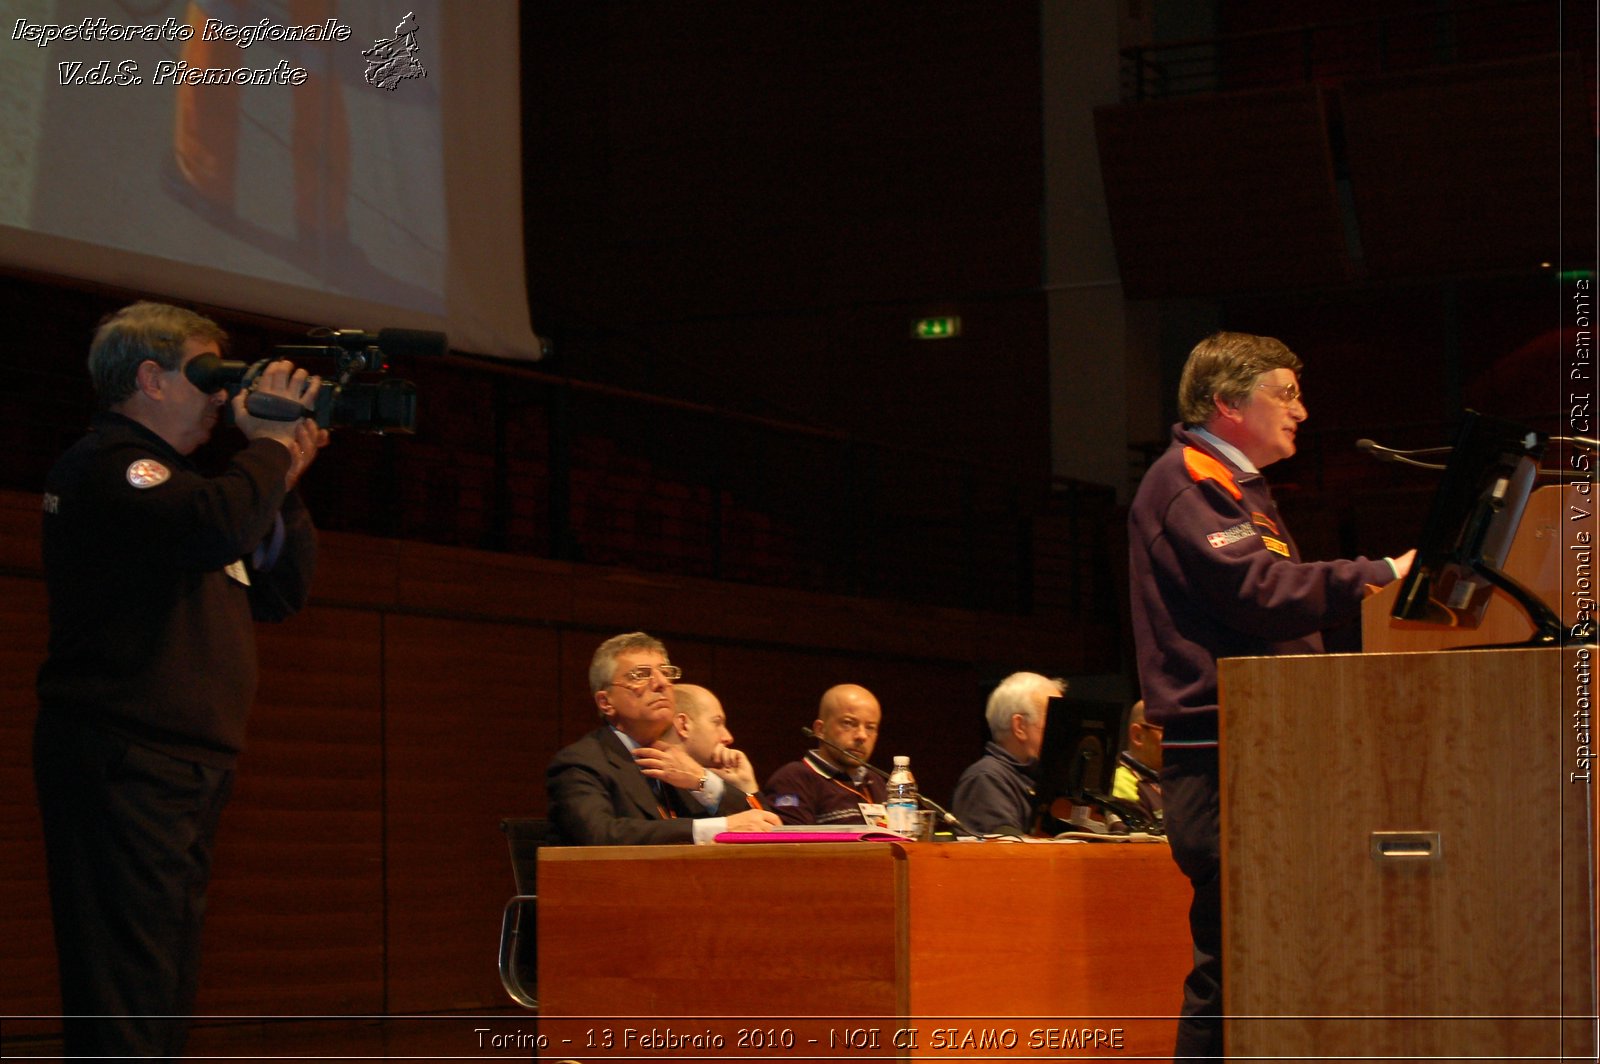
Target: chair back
x=524, y=836
x=519, y=968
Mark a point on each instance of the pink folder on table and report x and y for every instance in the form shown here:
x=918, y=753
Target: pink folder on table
x=815, y=833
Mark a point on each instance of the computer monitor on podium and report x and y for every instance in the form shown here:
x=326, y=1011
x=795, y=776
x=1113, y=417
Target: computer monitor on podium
x=1470, y=527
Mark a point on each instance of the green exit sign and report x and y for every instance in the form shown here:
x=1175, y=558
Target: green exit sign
x=935, y=328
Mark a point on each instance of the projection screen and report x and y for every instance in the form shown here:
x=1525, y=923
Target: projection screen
x=350, y=163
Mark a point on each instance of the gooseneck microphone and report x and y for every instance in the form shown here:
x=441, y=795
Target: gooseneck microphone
x=851, y=755
x=1390, y=454
x=856, y=759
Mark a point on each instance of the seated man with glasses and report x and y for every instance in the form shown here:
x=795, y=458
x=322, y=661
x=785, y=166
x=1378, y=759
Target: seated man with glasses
x=828, y=785
x=612, y=787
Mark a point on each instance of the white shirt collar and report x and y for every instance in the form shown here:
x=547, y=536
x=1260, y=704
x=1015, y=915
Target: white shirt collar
x=1229, y=451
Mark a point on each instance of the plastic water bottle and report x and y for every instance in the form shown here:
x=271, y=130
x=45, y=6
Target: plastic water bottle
x=901, y=804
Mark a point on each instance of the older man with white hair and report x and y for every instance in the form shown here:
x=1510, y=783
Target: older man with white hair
x=995, y=794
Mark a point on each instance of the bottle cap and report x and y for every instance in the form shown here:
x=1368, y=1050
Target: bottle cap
x=901, y=760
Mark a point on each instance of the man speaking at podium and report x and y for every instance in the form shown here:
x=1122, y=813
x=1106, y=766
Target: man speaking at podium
x=1214, y=573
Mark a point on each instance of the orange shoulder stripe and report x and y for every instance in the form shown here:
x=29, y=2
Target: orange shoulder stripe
x=1202, y=466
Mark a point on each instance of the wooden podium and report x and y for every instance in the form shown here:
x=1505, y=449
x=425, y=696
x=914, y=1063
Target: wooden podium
x=1409, y=840
x=838, y=949
x=1541, y=557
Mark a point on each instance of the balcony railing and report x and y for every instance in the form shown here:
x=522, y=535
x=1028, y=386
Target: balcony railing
x=1328, y=52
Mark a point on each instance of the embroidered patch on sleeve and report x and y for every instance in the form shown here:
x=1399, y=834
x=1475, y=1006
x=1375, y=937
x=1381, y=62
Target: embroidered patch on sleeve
x=1202, y=466
x=147, y=473
x=1276, y=546
x=1244, y=530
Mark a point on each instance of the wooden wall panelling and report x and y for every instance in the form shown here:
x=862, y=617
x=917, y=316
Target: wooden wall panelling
x=356, y=571
x=574, y=708
x=28, y=977
x=770, y=694
x=929, y=710
x=296, y=914
x=19, y=531
x=469, y=729
x=482, y=583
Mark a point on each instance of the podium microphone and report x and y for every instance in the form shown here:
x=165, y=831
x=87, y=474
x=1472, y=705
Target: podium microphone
x=1389, y=454
x=855, y=759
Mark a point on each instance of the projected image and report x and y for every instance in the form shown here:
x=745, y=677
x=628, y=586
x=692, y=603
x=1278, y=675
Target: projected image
x=296, y=142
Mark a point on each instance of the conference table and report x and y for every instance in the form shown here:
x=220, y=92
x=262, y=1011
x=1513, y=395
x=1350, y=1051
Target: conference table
x=861, y=949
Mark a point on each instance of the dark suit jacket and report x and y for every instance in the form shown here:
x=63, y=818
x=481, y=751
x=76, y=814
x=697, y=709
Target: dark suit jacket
x=598, y=797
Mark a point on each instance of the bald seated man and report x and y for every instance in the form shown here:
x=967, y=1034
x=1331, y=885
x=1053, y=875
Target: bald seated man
x=700, y=729
x=825, y=786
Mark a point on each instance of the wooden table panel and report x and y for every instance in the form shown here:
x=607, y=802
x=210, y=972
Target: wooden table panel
x=950, y=948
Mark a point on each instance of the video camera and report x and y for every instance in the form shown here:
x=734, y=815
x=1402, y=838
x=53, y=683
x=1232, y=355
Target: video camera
x=386, y=405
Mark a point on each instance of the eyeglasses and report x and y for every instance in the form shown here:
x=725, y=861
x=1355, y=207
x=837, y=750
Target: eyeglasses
x=640, y=676
x=1287, y=394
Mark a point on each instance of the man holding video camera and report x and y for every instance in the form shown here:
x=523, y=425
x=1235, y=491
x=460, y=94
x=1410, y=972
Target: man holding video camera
x=155, y=574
